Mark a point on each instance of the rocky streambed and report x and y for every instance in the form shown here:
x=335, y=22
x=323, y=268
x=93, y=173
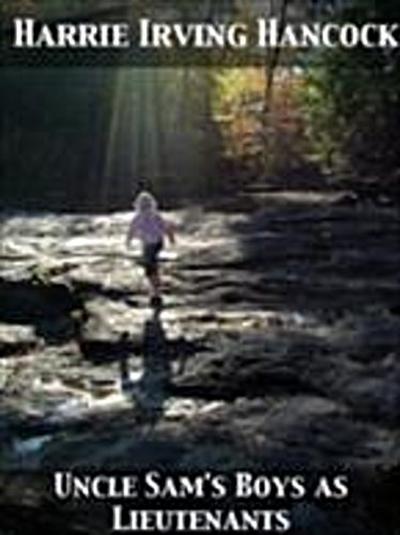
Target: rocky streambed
x=278, y=343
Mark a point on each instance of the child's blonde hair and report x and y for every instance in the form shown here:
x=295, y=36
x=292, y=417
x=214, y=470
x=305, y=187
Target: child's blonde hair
x=145, y=202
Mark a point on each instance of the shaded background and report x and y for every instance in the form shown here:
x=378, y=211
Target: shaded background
x=88, y=138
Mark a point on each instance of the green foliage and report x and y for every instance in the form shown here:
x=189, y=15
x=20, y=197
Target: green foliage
x=351, y=100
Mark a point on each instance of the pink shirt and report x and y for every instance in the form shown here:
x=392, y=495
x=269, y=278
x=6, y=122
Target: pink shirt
x=148, y=227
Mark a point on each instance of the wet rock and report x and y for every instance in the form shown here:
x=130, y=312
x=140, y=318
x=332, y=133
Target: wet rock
x=16, y=340
x=100, y=352
x=29, y=300
x=267, y=350
x=374, y=393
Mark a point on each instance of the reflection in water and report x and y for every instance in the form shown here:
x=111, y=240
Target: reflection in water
x=150, y=391
x=31, y=445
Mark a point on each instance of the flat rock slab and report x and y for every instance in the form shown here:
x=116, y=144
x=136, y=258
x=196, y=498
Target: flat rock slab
x=278, y=338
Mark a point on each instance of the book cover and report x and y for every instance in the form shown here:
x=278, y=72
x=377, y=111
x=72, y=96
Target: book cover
x=199, y=259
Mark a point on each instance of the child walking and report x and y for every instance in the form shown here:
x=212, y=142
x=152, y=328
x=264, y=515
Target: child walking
x=150, y=227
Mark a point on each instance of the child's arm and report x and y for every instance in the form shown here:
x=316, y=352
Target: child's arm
x=170, y=231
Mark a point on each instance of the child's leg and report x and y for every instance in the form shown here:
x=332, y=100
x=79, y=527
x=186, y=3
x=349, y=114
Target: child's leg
x=152, y=269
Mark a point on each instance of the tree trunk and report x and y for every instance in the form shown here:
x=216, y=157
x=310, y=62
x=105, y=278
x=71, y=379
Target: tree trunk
x=274, y=56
